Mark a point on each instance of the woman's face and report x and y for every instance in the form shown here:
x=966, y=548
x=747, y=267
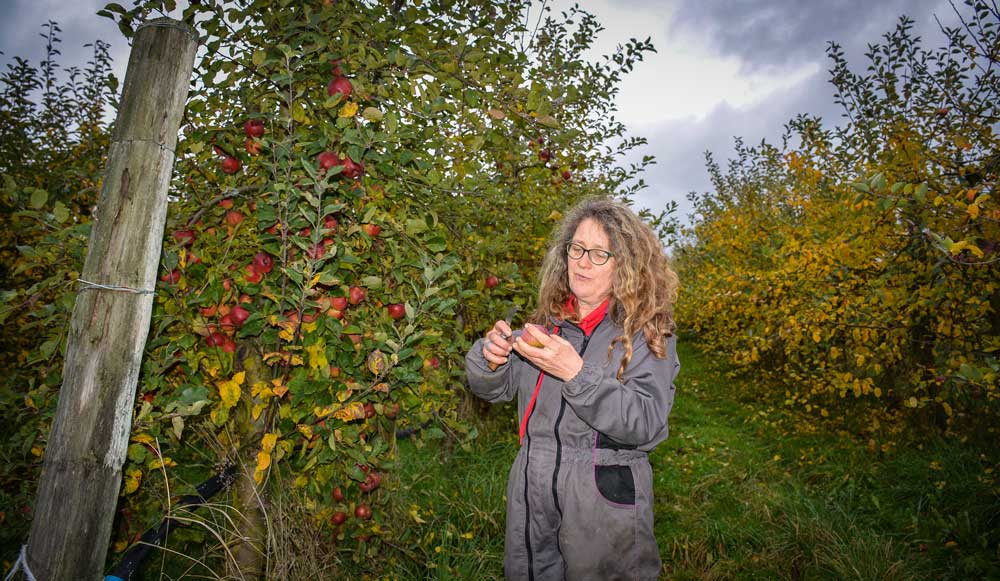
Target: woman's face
x=589, y=282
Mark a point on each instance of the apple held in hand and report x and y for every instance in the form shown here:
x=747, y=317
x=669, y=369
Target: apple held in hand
x=531, y=333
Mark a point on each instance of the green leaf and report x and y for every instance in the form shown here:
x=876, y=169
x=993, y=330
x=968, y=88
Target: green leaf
x=60, y=212
x=38, y=198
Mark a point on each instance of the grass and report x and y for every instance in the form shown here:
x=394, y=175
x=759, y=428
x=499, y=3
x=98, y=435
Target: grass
x=744, y=490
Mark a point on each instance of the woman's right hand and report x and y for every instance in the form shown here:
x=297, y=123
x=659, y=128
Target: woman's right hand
x=498, y=344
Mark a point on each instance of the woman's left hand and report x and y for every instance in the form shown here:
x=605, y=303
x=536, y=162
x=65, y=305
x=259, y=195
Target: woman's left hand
x=556, y=357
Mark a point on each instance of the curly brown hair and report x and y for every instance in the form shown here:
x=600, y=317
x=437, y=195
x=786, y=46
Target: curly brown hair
x=644, y=286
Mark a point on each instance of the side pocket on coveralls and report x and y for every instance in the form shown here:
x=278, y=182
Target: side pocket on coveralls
x=615, y=483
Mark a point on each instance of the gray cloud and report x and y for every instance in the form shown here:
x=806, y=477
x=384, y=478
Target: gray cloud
x=22, y=24
x=779, y=33
x=679, y=146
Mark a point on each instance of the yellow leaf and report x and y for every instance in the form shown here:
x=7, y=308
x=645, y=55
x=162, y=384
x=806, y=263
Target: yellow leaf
x=279, y=388
x=132, y=480
x=263, y=460
x=973, y=211
x=258, y=409
x=958, y=247
x=816, y=336
x=350, y=109
x=322, y=412
x=317, y=356
x=354, y=411
x=262, y=389
x=306, y=430
x=268, y=441
x=301, y=480
x=156, y=463
x=230, y=391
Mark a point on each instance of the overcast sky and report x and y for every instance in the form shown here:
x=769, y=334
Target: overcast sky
x=723, y=68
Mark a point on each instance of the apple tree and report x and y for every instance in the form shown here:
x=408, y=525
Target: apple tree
x=361, y=188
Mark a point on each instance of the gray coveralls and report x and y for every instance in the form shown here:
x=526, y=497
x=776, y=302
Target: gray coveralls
x=580, y=492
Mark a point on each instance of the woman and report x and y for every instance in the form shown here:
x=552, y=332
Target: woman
x=593, y=400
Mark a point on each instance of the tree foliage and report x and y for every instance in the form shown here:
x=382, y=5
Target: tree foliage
x=856, y=269
x=467, y=130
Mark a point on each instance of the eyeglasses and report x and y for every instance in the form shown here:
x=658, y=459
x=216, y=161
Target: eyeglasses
x=597, y=256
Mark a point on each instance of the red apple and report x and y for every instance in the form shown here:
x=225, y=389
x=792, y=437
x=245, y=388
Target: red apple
x=371, y=482
x=338, y=494
x=391, y=411
x=239, y=315
x=234, y=217
x=330, y=223
x=185, y=237
x=335, y=313
x=352, y=169
x=363, y=512
x=253, y=127
x=369, y=411
x=226, y=322
x=263, y=262
x=216, y=340
x=326, y=160
x=208, y=311
x=530, y=332
x=396, y=310
x=356, y=295
x=252, y=146
x=338, y=518
x=245, y=298
x=171, y=277
x=544, y=155
x=231, y=165
x=335, y=372
x=371, y=229
x=226, y=203
x=491, y=281
x=566, y=174
x=251, y=275
x=340, y=86
x=338, y=303
x=433, y=362
x=356, y=339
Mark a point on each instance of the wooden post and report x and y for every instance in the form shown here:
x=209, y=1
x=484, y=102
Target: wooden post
x=81, y=475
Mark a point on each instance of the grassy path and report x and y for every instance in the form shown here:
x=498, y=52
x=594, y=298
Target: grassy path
x=743, y=491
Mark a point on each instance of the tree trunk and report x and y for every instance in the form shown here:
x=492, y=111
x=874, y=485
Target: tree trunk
x=86, y=448
x=250, y=499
